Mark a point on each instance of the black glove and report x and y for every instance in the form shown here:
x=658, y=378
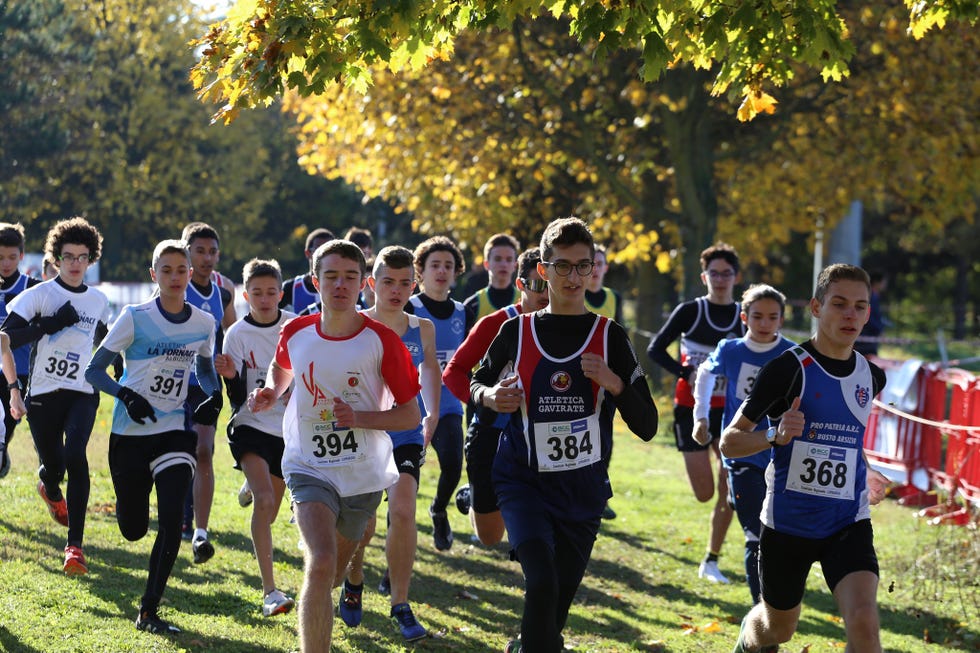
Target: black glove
x=208, y=410
x=136, y=405
x=689, y=373
x=63, y=317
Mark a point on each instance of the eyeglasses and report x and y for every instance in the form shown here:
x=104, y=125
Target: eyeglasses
x=715, y=274
x=535, y=285
x=71, y=258
x=564, y=268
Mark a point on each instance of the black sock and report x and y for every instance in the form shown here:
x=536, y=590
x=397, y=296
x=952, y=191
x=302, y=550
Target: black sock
x=711, y=557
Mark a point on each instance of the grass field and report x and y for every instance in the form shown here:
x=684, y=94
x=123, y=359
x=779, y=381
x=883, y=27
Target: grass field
x=641, y=592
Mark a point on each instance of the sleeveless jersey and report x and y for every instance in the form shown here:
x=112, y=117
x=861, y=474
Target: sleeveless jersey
x=485, y=307
x=817, y=483
x=413, y=342
x=740, y=365
x=60, y=359
x=210, y=304
x=696, y=345
x=449, y=336
x=607, y=308
x=254, y=347
x=370, y=370
x=22, y=355
x=302, y=297
x=160, y=355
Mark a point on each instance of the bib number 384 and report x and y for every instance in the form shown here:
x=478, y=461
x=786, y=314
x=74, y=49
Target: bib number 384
x=822, y=470
x=561, y=446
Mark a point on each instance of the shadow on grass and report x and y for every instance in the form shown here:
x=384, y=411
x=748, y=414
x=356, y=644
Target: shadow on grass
x=10, y=642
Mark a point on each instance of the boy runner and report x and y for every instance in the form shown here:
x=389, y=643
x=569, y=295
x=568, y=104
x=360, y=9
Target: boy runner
x=355, y=381
x=12, y=283
x=700, y=324
x=478, y=497
x=256, y=439
x=598, y=298
x=740, y=360
x=438, y=262
x=570, y=370
x=393, y=281
x=150, y=447
x=500, y=260
x=299, y=292
x=820, y=487
x=64, y=318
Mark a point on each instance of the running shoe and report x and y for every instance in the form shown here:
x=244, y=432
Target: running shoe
x=384, y=586
x=350, y=605
x=148, y=621
x=710, y=572
x=187, y=532
x=740, y=647
x=4, y=461
x=513, y=646
x=608, y=513
x=442, y=532
x=464, y=499
x=203, y=550
x=411, y=629
x=276, y=602
x=57, y=509
x=75, y=561
x=245, y=495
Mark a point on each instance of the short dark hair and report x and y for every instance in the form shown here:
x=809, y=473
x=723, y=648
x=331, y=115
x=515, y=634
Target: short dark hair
x=12, y=235
x=319, y=233
x=758, y=291
x=500, y=240
x=437, y=244
x=169, y=246
x=261, y=268
x=360, y=237
x=527, y=261
x=394, y=257
x=839, y=272
x=196, y=230
x=563, y=232
x=343, y=248
x=720, y=250
x=74, y=231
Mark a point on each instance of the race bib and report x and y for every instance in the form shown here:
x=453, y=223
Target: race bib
x=746, y=380
x=165, y=386
x=561, y=446
x=444, y=356
x=822, y=470
x=325, y=445
x=62, y=367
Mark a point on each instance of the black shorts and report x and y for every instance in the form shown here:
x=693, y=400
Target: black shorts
x=134, y=460
x=409, y=459
x=247, y=439
x=481, y=447
x=684, y=428
x=785, y=561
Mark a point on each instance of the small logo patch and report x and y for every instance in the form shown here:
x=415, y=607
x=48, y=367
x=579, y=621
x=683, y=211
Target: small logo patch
x=561, y=381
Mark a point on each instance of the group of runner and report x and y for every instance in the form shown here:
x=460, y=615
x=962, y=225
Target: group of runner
x=340, y=378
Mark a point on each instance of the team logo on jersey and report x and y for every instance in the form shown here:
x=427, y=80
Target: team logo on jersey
x=812, y=434
x=862, y=395
x=561, y=381
x=352, y=381
x=414, y=349
x=317, y=394
x=456, y=325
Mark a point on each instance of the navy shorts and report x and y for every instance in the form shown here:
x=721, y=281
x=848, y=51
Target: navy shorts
x=480, y=449
x=785, y=560
x=528, y=517
x=247, y=439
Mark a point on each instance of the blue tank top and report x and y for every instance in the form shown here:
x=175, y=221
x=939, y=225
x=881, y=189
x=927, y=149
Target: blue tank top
x=817, y=483
x=22, y=355
x=210, y=304
x=740, y=365
x=301, y=296
x=449, y=336
x=413, y=342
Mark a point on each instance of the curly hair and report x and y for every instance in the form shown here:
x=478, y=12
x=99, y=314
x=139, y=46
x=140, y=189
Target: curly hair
x=437, y=244
x=74, y=231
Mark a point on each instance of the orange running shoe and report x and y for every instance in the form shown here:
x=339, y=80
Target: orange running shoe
x=58, y=509
x=75, y=561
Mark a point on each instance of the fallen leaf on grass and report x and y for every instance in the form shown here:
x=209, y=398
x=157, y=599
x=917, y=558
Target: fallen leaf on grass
x=656, y=646
x=463, y=594
x=710, y=627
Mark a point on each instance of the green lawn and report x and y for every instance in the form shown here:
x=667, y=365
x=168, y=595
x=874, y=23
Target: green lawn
x=641, y=592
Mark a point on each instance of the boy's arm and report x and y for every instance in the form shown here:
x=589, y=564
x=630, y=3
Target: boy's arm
x=228, y=317
x=487, y=389
x=456, y=376
x=430, y=378
x=17, y=407
x=678, y=322
x=634, y=403
x=96, y=375
x=265, y=398
x=400, y=417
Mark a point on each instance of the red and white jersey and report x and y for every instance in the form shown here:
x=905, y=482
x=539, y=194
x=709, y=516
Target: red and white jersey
x=371, y=370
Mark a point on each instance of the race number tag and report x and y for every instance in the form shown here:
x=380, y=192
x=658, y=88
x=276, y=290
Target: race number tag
x=561, y=446
x=326, y=445
x=62, y=367
x=165, y=386
x=822, y=470
x=746, y=380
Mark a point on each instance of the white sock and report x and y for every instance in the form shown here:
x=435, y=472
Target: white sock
x=200, y=534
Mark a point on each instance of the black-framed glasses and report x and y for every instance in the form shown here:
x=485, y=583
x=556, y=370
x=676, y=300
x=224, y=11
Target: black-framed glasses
x=535, y=285
x=71, y=258
x=725, y=274
x=564, y=268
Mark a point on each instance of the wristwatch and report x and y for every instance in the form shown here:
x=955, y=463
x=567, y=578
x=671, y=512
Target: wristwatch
x=771, y=434
x=16, y=385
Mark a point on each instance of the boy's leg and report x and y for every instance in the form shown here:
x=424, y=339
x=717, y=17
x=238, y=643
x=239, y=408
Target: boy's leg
x=78, y=430
x=204, y=477
x=172, y=483
x=448, y=445
x=573, y=548
x=748, y=490
x=857, y=599
x=402, y=536
x=267, y=492
x=317, y=524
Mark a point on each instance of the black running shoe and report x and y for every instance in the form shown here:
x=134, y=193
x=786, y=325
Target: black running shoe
x=4, y=461
x=148, y=621
x=384, y=587
x=203, y=550
x=463, y=499
x=442, y=532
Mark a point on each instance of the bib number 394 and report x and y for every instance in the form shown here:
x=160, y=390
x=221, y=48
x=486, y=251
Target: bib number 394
x=326, y=446
x=562, y=446
x=822, y=470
